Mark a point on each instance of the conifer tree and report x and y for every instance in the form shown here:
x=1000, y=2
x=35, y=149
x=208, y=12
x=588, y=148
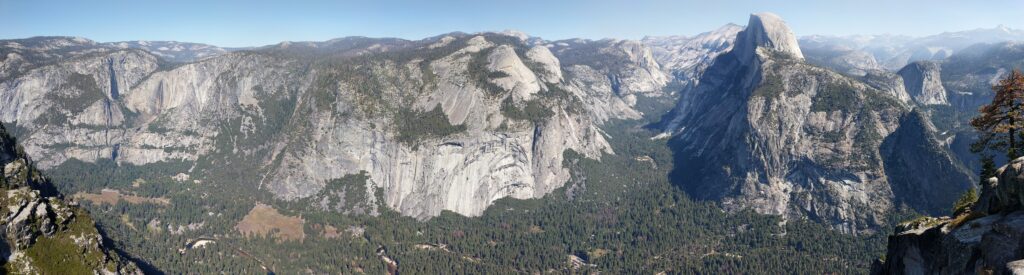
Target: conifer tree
x=999, y=124
x=988, y=169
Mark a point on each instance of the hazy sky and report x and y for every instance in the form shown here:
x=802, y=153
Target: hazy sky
x=253, y=23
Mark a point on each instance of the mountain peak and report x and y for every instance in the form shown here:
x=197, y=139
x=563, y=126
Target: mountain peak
x=769, y=31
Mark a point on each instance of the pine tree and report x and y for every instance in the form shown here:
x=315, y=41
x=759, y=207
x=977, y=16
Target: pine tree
x=988, y=169
x=1000, y=122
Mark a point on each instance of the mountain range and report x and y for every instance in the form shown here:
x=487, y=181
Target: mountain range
x=842, y=131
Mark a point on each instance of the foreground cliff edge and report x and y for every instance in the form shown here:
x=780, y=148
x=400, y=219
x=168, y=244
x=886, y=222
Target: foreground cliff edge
x=984, y=238
x=43, y=233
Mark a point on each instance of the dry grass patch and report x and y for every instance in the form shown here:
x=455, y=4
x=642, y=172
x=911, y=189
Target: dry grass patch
x=264, y=220
x=110, y=196
x=597, y=253
x=964, y=218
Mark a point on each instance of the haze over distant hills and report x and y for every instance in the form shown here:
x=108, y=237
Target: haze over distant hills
x=893, y=52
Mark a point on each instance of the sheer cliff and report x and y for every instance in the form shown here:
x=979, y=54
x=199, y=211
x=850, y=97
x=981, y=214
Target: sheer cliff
x=764, y=130
x=447, y=123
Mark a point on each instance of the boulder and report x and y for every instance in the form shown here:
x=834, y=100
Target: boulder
x=1009, y=190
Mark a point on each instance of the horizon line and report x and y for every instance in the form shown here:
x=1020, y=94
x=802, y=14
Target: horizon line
x=508, y=32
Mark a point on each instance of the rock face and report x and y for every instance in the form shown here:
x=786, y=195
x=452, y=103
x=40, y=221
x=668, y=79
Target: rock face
x=628, y=67
x=75, y=102
x=766, y=31
x=297, y=115
x=34, y=214
x=550, y=66
x=515, y=76
x=458, y=121
x=923, y=82
x=765, y=131
x=989, y=238
x=293, y=116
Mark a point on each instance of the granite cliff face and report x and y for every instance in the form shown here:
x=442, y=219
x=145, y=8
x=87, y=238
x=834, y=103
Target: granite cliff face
x=766, y=131
x=766, y=31
x=613, y=72
x=296, y=115
x=923, y=82
x=80, y=106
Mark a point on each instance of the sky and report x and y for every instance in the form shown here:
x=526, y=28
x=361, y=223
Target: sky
x=232, y=23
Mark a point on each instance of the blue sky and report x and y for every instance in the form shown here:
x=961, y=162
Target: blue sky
x=252, y=23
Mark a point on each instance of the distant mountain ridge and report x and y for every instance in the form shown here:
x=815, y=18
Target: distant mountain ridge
x=177, y=52
x=895, y=51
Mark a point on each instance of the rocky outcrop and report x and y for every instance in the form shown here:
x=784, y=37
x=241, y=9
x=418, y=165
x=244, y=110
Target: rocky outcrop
x=29, y=215
x=923, y=82
x=986, y=239
x=36, y=218
x=766, y=131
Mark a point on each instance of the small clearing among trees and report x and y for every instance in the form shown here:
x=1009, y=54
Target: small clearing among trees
x=264, y=220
